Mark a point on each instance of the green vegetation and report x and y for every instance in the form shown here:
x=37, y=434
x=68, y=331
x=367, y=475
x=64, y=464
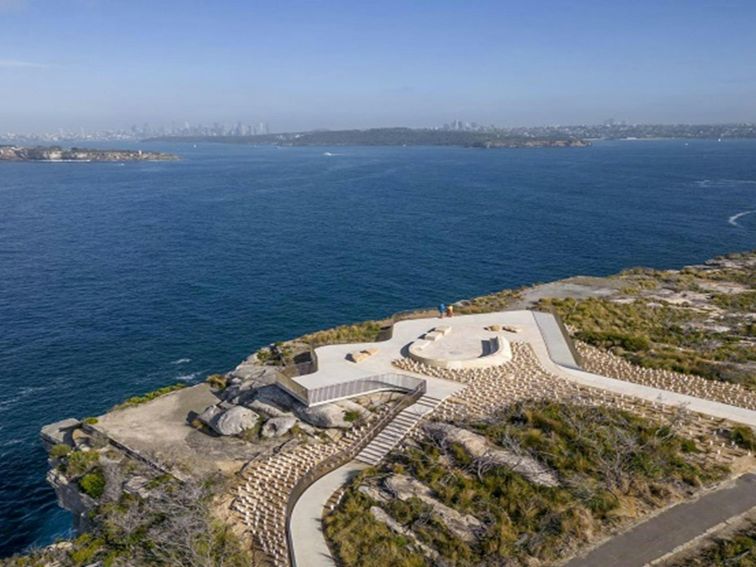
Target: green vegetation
x=743, y=437
x=90, y=420
x=59, y=450
x=745, y=301
x=738, y=550
x=488, y=303
x=612, y=466
x=396, y=137
x=218, y=381
x=657, y=336
x=174, y=526
x=362, y=541
x=365, y=332
x=351, y=415
x=93, y=483
x=78, y=462
x=136, y=400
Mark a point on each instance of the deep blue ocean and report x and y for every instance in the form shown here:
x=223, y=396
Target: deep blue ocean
x=116, y=279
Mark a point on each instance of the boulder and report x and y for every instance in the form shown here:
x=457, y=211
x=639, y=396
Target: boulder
x=275, y=396
x=235, y=420
x=265, y=409
x=228, y=422
x=242, y=386
x=278, y=426
x=209, y=415
x=326, y=415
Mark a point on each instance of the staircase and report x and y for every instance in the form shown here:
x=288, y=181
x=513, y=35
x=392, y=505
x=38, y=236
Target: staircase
x=397, y=428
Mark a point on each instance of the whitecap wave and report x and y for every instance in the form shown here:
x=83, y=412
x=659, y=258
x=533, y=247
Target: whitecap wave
x=733, y=220
x=723, y=182
x=181, y=361
x=187, y=377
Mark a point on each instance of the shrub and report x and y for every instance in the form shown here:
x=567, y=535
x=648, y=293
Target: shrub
x=90, y=420
x=59, y=450
x=218, y=381
x=86, y=547
x=743, y=437
x=351, y=416
x=79, y=462
x=93, y=483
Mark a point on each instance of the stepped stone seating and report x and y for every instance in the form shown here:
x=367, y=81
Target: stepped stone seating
x=601, y=362
x=523, y=378
x=265, y=486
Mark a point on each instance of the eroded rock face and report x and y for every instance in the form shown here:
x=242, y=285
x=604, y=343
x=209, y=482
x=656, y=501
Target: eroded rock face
x=278, y=426
x=464, y=526
x=478, y=447
x=380, y=515
x=245, y=381
x=229, y=422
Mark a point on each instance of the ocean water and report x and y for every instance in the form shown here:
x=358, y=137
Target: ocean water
x=117, y=279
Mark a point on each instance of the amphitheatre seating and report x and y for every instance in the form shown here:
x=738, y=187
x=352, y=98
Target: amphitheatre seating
x=360, y=355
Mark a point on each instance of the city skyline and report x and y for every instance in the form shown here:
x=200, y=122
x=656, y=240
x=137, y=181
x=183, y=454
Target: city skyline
x=311, y=65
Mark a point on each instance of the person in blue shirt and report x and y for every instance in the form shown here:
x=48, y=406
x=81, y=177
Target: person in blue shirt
x=442, y=310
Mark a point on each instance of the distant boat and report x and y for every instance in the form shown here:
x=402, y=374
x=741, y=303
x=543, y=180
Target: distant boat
x=328, y=154
x=719, y=139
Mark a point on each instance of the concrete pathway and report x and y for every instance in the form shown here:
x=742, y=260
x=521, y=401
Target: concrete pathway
x=306, y=526
x=555, y=342
x=678, y=525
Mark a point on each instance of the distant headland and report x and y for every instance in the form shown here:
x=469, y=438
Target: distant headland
x=393, y=137
x=56, y=153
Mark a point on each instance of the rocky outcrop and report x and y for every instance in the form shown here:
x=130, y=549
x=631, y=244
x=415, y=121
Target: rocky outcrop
x=245, y=380
x=464, y=526
x=71, y=498
x=232, y=421
x=380, y=515
x=478, y=447
x=278, y=426
x=326, y=416
x=331, y=415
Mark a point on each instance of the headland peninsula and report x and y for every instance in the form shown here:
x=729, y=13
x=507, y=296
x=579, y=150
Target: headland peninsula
x=56, y=153
x=534, y=426
x=392, y=137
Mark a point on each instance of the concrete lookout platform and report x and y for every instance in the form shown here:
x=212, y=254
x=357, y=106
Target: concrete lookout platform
x=460, y=347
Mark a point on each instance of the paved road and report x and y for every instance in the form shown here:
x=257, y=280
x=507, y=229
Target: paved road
x=678, y=525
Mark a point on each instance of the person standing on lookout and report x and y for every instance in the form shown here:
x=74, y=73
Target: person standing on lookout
x=442, y=310
x=450, y=311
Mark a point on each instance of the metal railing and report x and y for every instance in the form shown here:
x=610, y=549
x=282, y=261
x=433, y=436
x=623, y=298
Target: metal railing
x=324, y=394
x=339, y=459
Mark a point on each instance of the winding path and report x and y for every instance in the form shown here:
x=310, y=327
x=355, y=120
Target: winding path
x=553, y=350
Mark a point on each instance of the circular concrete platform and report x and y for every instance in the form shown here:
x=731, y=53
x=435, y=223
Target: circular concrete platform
x=461, y=346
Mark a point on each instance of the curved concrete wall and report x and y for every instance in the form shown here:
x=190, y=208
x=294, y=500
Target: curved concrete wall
x=501, y=353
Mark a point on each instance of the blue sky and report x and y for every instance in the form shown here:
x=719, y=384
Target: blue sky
x=302, y=65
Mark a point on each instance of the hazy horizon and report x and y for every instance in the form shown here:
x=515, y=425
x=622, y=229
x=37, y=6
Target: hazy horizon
x=312, y=65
